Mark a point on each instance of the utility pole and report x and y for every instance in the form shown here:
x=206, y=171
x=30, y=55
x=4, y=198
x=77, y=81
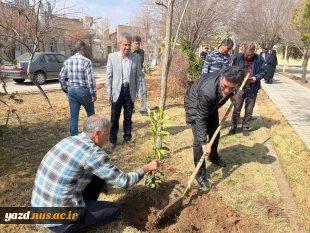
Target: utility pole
x=285, y=57
x=92, y=33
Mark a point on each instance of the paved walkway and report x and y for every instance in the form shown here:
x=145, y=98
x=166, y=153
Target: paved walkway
x=293, y=100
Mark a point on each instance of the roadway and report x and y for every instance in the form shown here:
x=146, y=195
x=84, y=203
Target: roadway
x=50, y=85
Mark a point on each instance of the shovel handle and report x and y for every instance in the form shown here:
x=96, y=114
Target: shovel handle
x=212, y=140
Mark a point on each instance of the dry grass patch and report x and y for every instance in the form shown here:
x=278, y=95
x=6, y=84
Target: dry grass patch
x=243, y=185
x=292, y=152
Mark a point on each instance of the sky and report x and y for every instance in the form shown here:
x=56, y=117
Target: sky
x=118, y=11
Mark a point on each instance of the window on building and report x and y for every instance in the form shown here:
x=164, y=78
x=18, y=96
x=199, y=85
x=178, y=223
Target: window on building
x=98, y=49
x=26, y=2
x=17, y=46
x=62, y=47
x=52, y=46
x=30, y=44
x=17, y=49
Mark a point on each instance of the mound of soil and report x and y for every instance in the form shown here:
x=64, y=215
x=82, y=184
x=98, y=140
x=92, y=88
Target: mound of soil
x=208, y=211
x=200, y=211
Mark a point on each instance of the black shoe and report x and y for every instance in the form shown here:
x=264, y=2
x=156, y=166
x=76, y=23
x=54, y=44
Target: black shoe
x=232, y=131
x=245, y=132
x=219, y=162
x=203, y=182
x=105, y=188
x=144, y=113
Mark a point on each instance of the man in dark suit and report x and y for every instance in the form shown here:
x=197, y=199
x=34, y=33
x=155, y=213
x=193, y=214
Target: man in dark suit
x=264, y=53
x=271, y=64
x=136, y=49
x=124, y=79
x=201, y=102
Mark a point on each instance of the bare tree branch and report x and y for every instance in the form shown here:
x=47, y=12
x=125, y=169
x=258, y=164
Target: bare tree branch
x=160, y=3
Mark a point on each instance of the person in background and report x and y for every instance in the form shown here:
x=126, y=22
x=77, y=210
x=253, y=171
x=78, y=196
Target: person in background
x=242, y=48
x=71, y=175
x=219, y=58
x=204, y=53
x=271, y=65
x=255, y=65
x=81, y=86
x=136, y=44
x=264, y=53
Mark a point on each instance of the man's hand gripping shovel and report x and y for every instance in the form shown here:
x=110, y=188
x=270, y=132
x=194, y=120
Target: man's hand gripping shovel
x=175, y=205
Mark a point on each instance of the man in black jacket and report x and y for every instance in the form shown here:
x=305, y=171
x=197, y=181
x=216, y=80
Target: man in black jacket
x=201, y=104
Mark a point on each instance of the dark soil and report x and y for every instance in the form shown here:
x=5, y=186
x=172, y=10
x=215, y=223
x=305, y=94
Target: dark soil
x=201, y=210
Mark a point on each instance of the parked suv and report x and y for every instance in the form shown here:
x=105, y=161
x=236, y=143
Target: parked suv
x=45, y=65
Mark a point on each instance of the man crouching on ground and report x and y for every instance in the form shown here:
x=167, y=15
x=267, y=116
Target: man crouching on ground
x=201, y=104
x=72, y=174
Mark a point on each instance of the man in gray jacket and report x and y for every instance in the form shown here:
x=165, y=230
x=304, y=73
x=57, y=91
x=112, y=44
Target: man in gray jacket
x=123, y=79
x=219, y=58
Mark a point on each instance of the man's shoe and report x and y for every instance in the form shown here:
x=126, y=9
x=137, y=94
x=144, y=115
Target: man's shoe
x=232, y=131
x=245, y=132
x=112, y=146
x=128, y=143
x=105, y=188
x=203, y=182
x=144, y=113
x=219, y=162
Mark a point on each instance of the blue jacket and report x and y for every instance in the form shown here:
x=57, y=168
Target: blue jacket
x=258, y=70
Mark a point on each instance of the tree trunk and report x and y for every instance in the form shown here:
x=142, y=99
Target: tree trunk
x=43, y=46
x=166, y=63
x=304, y=64
x=34, y=81
x=167, y=55
x=4, y=87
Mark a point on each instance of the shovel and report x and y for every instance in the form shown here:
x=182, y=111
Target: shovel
x=175, y=205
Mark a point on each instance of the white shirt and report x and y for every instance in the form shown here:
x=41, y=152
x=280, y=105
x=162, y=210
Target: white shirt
x=126, y=69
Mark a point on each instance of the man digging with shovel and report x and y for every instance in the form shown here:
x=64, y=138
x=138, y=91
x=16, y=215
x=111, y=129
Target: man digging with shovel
x=201, y=102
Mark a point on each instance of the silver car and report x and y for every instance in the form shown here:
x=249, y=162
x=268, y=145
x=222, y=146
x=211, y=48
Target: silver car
x=45, y=65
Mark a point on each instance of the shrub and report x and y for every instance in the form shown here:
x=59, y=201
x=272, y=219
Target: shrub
x=195, y=63
x=178, y=75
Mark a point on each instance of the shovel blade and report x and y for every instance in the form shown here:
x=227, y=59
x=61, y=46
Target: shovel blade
x=169, y=210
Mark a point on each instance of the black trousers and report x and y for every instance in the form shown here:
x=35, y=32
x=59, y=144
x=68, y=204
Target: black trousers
x=212, y=124
x=249, y=98
x=125, y=101
x=96, y=213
